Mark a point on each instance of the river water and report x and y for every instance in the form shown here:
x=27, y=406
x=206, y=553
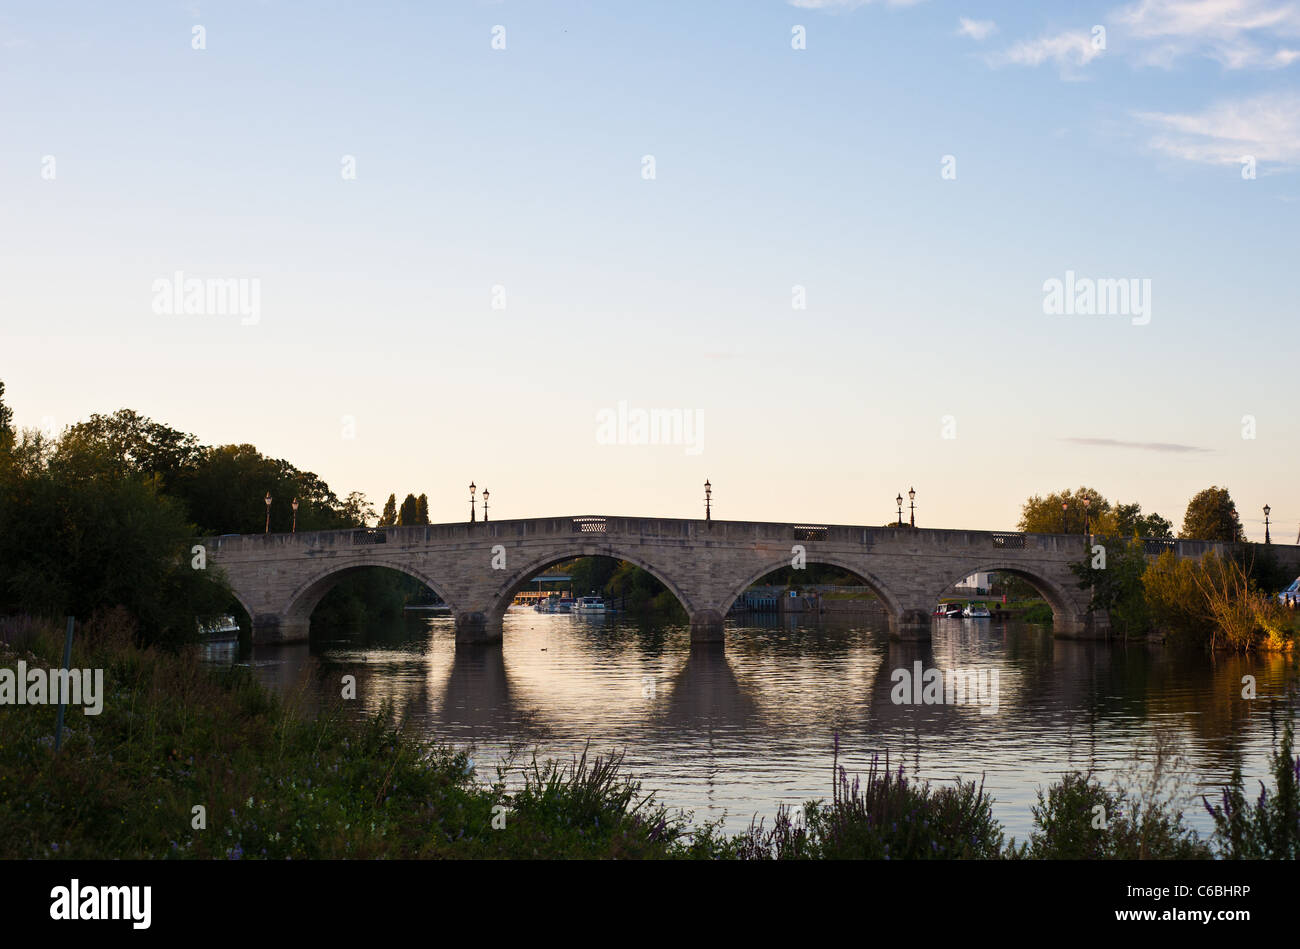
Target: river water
x=733, y=732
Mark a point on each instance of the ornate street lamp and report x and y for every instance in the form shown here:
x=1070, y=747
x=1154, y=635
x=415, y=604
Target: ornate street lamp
x=1266, y=512
x=1086, y=501
x=1065, y=506
x=471, y=502
x=899, y=501
x=268, y=512
x=485, y=497
x=708, y=495
x=911, y=495
x=294, y=530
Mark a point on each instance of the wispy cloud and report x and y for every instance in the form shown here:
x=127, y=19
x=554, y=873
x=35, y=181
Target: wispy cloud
x=848, y=4
x=1068, y=50
x=1143, y=446
x=975, y=29
x=1239, y=34
x=1266, y=127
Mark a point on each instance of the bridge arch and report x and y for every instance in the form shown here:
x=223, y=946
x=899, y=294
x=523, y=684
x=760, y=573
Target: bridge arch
x=519, y=578
x=892, y=603
x=303, y=600
x=1068, y=608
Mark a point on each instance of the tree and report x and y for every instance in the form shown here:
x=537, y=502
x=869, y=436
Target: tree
x=1117, y=586
x=389, y=517
x=57, y=522
x=1212, y=515
x=358, y=510
x=1130, y=522
x=406, y=516
x=422, y=509
x=136, y=445
x=6, y=422
x=1044, y=515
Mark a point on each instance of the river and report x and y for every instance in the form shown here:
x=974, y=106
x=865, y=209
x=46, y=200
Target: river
x=731, y=733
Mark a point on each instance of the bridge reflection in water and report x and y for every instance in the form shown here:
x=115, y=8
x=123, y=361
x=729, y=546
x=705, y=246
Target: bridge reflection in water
x=738, y=732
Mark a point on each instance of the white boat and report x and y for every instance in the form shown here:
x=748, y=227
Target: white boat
x=218, y=628
x=976, y=611
x=589, y=604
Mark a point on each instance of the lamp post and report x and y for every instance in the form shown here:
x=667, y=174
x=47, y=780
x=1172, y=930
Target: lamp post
x=708, y=496
x=899, y=501
x=1266, y=512
x=1065, y=506
x=485, y=497
x=294, y=529
x=911, y=496
x=1086, y=501
x=471, y=502
x=268, y=512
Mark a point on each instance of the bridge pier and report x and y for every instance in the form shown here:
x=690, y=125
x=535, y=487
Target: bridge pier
x=911, y=626
x=478, y=629
x=273, y=628
x=706, y=627
x=1094, y=625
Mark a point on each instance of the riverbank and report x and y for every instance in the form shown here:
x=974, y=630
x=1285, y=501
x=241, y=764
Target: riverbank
x=273, y=782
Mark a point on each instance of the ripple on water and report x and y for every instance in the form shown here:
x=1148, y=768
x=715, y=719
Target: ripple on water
x=742, y=730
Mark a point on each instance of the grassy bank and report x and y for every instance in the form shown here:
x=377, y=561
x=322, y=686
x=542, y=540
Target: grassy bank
x=273, y=783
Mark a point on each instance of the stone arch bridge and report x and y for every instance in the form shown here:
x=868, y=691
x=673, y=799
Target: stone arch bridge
x=478, y=567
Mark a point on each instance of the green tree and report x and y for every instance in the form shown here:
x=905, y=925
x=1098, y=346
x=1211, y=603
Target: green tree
x=406, y=516
x=224, y=493
x=357, y=510
x=1212, y=515
x=1043, y=515
x=1175, y=599
x=1117, y=586
x=80, y=539
x=136, y=445
x=389, y=517
x=6, y=422
x=422, y=509
x=1130, y=522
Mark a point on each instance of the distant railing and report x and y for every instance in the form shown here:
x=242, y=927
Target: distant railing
x=810, y=532
x=589, y=525
x=1009, y=541
x=1157, y=547
x=369, y=536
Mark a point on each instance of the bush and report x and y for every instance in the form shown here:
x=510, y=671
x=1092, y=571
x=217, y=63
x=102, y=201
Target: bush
x=1138, y=819
x=1268, y=829
x=886, y=818
x=1079, y=819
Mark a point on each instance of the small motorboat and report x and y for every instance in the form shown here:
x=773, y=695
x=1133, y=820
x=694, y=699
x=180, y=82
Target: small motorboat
x=589, y=604
x=976, y=611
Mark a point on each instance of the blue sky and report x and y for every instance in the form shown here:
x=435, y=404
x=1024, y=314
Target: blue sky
x=522, y=169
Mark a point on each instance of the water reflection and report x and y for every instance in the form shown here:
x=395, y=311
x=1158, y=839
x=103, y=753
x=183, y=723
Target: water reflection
x=739, y=730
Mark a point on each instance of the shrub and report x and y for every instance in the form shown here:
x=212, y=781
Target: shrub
x=887, y=817
x=1268, y=829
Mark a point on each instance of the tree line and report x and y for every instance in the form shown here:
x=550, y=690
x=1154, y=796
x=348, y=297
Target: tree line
x=104, y=515
x=1211, y=515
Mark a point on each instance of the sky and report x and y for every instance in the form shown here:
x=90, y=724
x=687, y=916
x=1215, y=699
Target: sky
x=823, y=235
